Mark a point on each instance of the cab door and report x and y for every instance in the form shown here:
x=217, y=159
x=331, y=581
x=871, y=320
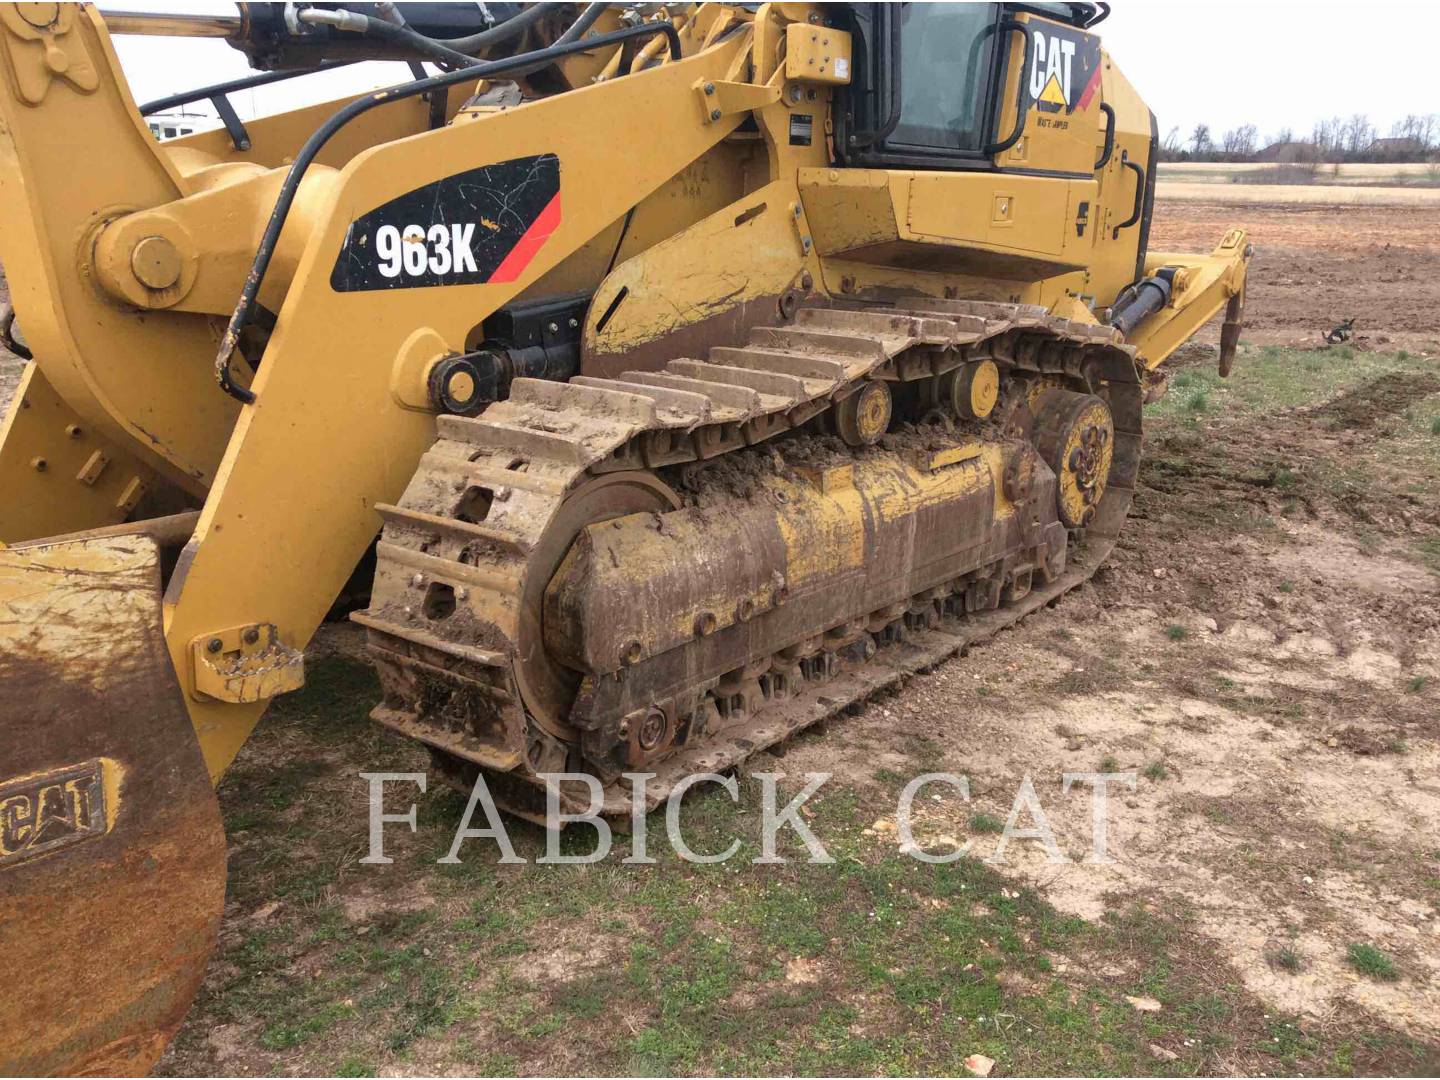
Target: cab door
x=1051, y=117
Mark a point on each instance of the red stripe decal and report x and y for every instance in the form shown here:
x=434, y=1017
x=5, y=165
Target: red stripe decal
x=1090, y=88
x=526, y=248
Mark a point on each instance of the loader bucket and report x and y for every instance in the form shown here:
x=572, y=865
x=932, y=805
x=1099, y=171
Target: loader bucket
x=112, y=857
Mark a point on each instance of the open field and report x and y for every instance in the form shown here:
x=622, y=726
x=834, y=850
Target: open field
x=1315, y=267
x=1338, y=175
x=1244, y=183
x=1263, y=652
x=1296, y=194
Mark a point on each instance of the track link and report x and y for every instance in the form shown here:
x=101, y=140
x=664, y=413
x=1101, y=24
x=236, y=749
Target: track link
x=465, y=556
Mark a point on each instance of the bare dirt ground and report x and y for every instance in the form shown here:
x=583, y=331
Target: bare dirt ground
x=1262, y=653
x=1316, y=266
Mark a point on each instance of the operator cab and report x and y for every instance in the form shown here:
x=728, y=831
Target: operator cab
x=936, y=86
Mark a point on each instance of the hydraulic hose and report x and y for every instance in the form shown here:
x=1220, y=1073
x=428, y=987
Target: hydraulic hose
x=503, y=31
x=365, y=26
x=586, y=20
x=7, y=334
x=245, y=306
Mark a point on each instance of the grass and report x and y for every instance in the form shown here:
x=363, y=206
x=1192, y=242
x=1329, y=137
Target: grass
x=877, y=964
x=1368, y=960
x=1288, y=958
x=1391, y=399
x=1270, y=378
x=986, y=823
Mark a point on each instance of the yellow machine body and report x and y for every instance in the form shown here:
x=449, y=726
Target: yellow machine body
x=705, y=201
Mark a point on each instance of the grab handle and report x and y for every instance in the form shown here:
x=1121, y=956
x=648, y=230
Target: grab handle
x=1109, y=111
x=1024, y=81
x=1139, y=194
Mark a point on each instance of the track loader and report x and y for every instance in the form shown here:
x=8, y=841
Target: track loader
x=661, y=379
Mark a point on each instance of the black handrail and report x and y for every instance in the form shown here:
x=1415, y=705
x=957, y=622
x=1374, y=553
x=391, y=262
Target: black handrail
x=313, y=145
x=1109, y=111
x=218, y=97
x=1139, y=194
x=892, y=121
x=1024, y=81
x=189, y=97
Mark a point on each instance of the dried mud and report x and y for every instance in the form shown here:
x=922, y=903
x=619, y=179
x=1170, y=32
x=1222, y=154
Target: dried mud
x=1273, y=686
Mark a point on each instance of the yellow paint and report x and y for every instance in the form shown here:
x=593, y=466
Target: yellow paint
x=1072, y=499
x=749, y=253
x=817, y=54
x=1210, y=283
x=39, y=424
x=721, y=218
x=984, y=388
x=293, y=503
x=823, y=530
x=112, y=775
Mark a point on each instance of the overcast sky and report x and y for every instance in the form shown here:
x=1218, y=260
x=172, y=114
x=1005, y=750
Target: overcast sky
x=1273, y=63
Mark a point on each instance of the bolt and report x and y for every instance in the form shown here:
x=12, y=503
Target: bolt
x=39, y=464
x=709, y=88
x=806, y=281
x=795, y=209
x=251, y=635
x=554, y=328
x=73, y=430
x=418, y=580
x=574, y=323
x=156, y=262
x=214, y=645
x=652, y=729
x=714, y=114
x=462, y=593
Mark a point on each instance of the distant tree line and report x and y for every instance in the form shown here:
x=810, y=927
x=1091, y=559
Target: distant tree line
x=1339, y=139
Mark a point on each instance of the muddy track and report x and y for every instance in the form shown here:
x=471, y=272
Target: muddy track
x=1366, y=405
x=466, y=556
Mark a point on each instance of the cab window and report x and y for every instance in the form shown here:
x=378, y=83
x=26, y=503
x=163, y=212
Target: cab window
x=924, y=89
x=946, y=60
